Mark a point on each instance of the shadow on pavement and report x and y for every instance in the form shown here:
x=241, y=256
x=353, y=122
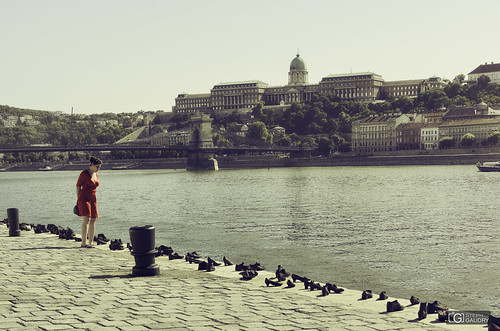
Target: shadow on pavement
x=112, y=276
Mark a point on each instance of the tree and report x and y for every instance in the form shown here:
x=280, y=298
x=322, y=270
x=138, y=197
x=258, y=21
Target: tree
x=446, y=142
x=468, y=140
x=257, y=110
x=268, y=117
x=259, y=134
x=380, y=108
x=309, y=142
x=344, y=147
x=295, y=139
x=493, y=138
x=433, y=99
x=472, y=93
x=325, y=146
x=220, y=140
x=483, y=81
x=403, y=104
x=453, y=90
x=285, y=141
x=459, y=100
x=345, y=123
x=459, y=79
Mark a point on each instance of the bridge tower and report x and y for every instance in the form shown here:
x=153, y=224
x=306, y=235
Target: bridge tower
x=201, y=157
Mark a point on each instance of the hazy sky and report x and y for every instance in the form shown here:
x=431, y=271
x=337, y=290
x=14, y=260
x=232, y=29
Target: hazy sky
x=124, y=56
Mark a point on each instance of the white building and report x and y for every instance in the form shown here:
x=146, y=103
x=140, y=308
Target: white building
x=491, y=70
x=429, y=136
x=11, y=121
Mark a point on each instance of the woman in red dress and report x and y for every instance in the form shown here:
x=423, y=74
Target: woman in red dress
x=87, y=201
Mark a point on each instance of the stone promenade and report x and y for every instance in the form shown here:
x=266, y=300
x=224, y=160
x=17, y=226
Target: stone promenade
x=51, y=284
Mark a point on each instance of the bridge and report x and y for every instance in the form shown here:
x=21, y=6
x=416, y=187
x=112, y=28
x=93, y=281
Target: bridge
x=195, y=155
x=201, y=151
x=191, y=150
x=180, y=148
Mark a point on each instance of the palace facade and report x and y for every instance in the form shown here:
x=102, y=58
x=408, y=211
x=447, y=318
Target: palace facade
x=244, y=95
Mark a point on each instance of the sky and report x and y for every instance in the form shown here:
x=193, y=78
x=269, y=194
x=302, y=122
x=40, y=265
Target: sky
x=116, y=56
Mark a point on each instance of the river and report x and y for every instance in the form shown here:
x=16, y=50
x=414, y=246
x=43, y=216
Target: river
x=428, y=231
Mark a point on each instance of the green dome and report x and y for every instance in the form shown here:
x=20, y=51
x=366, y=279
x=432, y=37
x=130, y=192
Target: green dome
x=298, y=63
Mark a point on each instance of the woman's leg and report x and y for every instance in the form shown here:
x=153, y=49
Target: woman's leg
x=85, y=223
x=91, y=230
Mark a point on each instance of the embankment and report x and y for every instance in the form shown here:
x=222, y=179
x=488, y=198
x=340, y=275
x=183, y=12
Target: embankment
x=463, y=157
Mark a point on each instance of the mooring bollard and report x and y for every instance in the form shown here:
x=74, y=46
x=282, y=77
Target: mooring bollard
x=13, y=215
x=142, y=239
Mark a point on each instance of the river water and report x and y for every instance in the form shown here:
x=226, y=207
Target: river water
x=428, y=231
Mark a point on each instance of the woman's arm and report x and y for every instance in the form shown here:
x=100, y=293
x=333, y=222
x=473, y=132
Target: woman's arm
x=78, y=189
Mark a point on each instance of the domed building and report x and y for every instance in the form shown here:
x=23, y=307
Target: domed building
x=298, y=72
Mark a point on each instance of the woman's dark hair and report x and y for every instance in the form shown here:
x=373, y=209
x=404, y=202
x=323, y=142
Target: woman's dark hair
x=95, y=161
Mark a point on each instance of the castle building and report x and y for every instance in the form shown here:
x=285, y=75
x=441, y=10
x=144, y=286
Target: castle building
x=244, y=95
x=238, y=95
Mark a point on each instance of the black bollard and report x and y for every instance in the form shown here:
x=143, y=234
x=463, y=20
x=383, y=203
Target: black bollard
x=13, y=215
x=142, y=239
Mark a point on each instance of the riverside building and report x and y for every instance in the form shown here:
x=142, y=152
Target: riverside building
x=242, y=96
x=377, y=133
x=391, y=132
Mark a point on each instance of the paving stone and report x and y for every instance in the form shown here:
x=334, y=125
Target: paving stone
x=58, y=286
x=49, y=327
x=13, y=325
x=85, y=326
x=358, y=328
x=166, y=326
x=132, y=328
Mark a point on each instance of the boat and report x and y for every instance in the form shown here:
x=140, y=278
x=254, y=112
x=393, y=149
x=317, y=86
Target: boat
x=488, y=166
x=46, y=168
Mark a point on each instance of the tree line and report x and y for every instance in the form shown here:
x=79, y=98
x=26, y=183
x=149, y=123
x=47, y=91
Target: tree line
x=60, y=130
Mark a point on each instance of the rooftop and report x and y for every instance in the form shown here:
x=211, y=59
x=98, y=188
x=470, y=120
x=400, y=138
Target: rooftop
x=486, y=68
x=404, y=82
x=356, y=74
x=472, y=121
x=379, y=118
x=248, y=82
x=194, y=96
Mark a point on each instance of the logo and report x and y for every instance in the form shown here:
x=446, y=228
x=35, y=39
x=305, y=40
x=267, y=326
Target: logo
x=468, y=317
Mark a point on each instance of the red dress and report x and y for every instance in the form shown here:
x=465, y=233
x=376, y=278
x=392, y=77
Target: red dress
x=87, y=199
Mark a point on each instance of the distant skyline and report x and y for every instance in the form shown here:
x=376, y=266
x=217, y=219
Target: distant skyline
x=125, y=56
